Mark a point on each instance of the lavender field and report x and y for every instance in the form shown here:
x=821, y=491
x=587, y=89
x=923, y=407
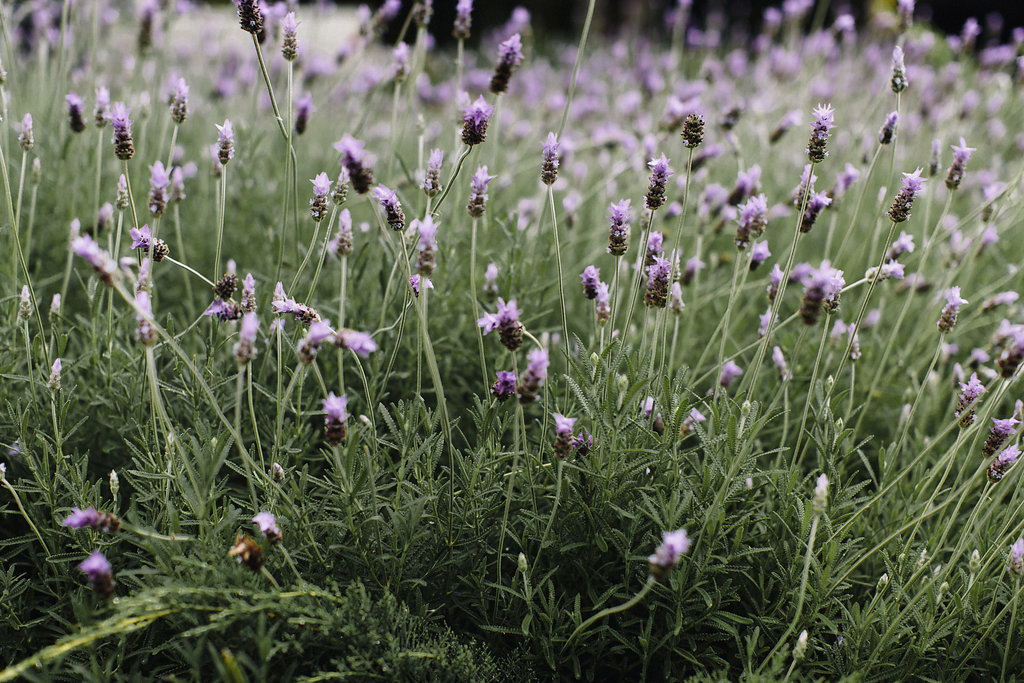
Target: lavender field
x=689, y=352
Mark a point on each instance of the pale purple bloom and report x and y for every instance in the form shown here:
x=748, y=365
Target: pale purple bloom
x=432, y=179
x=815, y=205
x=904, y=244
x=321, y=185
x=54, y=381
x=475, y=118
x=618, y=234
x=122, y=131
x=478, y=192
x=730, y=371
x=225, y=142
x=335, y=407
x=910, y=186
x=505, y=386
x=822, y=124
x=847, y=177
x=98, y=570
x=591, y=278
x=763, y=321
x=952, y=308
x=74, y=104
x=660, y=173
x=549, y=167
x=780, y=364
x=970, y=392
x=536, y=372
x=79, y=519
x=563, y=425
x=603, y=301
x=358, y=342
x=268, y=526
x=674, y=544
x=400, y=67
x=101, y=113
x=510, y=56
x=1016, y=564
x=961, y=154
x=100, y=260
x=751, y=220
x=759, y=253
x=418, y=281
x=463, y=19
x=393, y=213
x=888, y=129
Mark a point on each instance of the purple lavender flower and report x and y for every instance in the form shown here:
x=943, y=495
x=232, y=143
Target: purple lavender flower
x=582, y=443
x=674, y=544
x=659, y=178
x=730, y=371
x=905, y=8
x=418, y=282
x=400, y=66
x=475, y=118
x=100, y=260
x=751, y=220
x=427, y=245
x=335, y=414
x=890, y=270
x=75, y=106
x=463, y=20
x=225, y=142
x=746, y=183
x=301, y=312
x=821, y=286
x=341, y=245
x=898, y=82
x=1000, y=432
x=780, y=364
x=693, y=130
x=759, y=253
x=823, y=123
x=177, y=192
x=950, y=311
x=967, y=400
x=774, y=280
x=888, y=129
x=510, y=56
x=602, y=298
x=910, y=187
x=26, y=137
x=549, y=169
x=54, y=382
x=358, y=342
x=250, y=17
x=290, y=43
x=319, y=331
x=904, y=244
x=478, y=192
x=655, y=248
x=101, y=113
x=98, y=570
x=618, y=232
x=158, y=182
x=847, y=177
x=124, y=146
x=432, y=179
x=79, y=519
x=303, y=110
x=807, y=180
x=506, y=321
x=657, y=283
x=961, y=154
x=318, y=204
x=268, y=526
x=491, y=281
x=997, y=468
x=392, y=208
x=505, y=386
x=536, y=373
x=815, y=205
x=590, y=277
x=1016, y=560
x=245, y=348
x=179, y=102
x=144, y=332
x=353, y=158
x=693, y=266
x=563, y=434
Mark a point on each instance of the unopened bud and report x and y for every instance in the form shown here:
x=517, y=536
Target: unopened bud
x=883, y=581
x=975, y=562
x=820, y=501
x=115, y=486
x=800, y=649
x=522, y=563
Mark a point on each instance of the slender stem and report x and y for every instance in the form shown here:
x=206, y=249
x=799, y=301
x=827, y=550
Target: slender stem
x=309, y=251
x=21, y=187
x=810, y=389
x=220, y=219
x=239, y=387
x=252, y=416
x=648, y=585
x=554, y=511
x=323, y=255
x=342, y=281
x=1009, y=631
x=476, y=305
x=561, y=285
x=634, y=289
x=189, y=269
x=131, y=198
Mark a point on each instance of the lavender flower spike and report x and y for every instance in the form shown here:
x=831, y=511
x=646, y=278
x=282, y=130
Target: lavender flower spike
x=730, y=371
x=158, y=182
x=658, y=282
x=98, y=570
x=225, y=142
x=353, y=158
x=961, y=154
x=952, y=308
x=268, y=526
x=335, y=414
x=1000, y=432
x=478, y=192
x=591, y=278
x=475, y=118
x=910, y=187
x=250, y=17
x=393, y=213
x=674, y=544
x=659, y=178
x=1016, y=564
x=536, y=372
x=998, y=467
x=815, y=205
x=888, y=129
x=968, y=397
x=751, y=220
x=823, y=123
x=506, y=321
x=563, y=434
x=549, y=169
x=99, y=259
x=463, y=19
x=75, y=106
x=618, y=232
x=432, y=179
x=510, y=56
x=318, y=204
x=124, y=146
x=505, y=386
x=898, y=82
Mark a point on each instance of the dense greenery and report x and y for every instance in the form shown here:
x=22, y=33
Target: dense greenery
x=451, y=535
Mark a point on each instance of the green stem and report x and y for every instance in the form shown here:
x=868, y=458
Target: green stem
x=561, y=292
x=648, y=585
x=476, y=305
x=220, y=220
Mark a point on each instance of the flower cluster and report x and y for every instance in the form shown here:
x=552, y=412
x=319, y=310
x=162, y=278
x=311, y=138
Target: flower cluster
x=475, y=118
x=950, y=311
x=506, y=321
x=335, y=415
x=354, y=159
x=478, y=192
x=910, y=187
x=505, y=385
x=618, y=231
x=674, y=544
x=659, y=179
x=393, y=213
x=966, y=401
x=823, y=123
x=536, y=373
x=563, y=434
x=510, y=56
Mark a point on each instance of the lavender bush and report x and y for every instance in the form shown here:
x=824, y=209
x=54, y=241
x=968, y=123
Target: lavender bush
x=255, y=428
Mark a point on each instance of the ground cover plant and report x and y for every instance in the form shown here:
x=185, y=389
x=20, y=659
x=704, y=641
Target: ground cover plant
x=685, y=355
